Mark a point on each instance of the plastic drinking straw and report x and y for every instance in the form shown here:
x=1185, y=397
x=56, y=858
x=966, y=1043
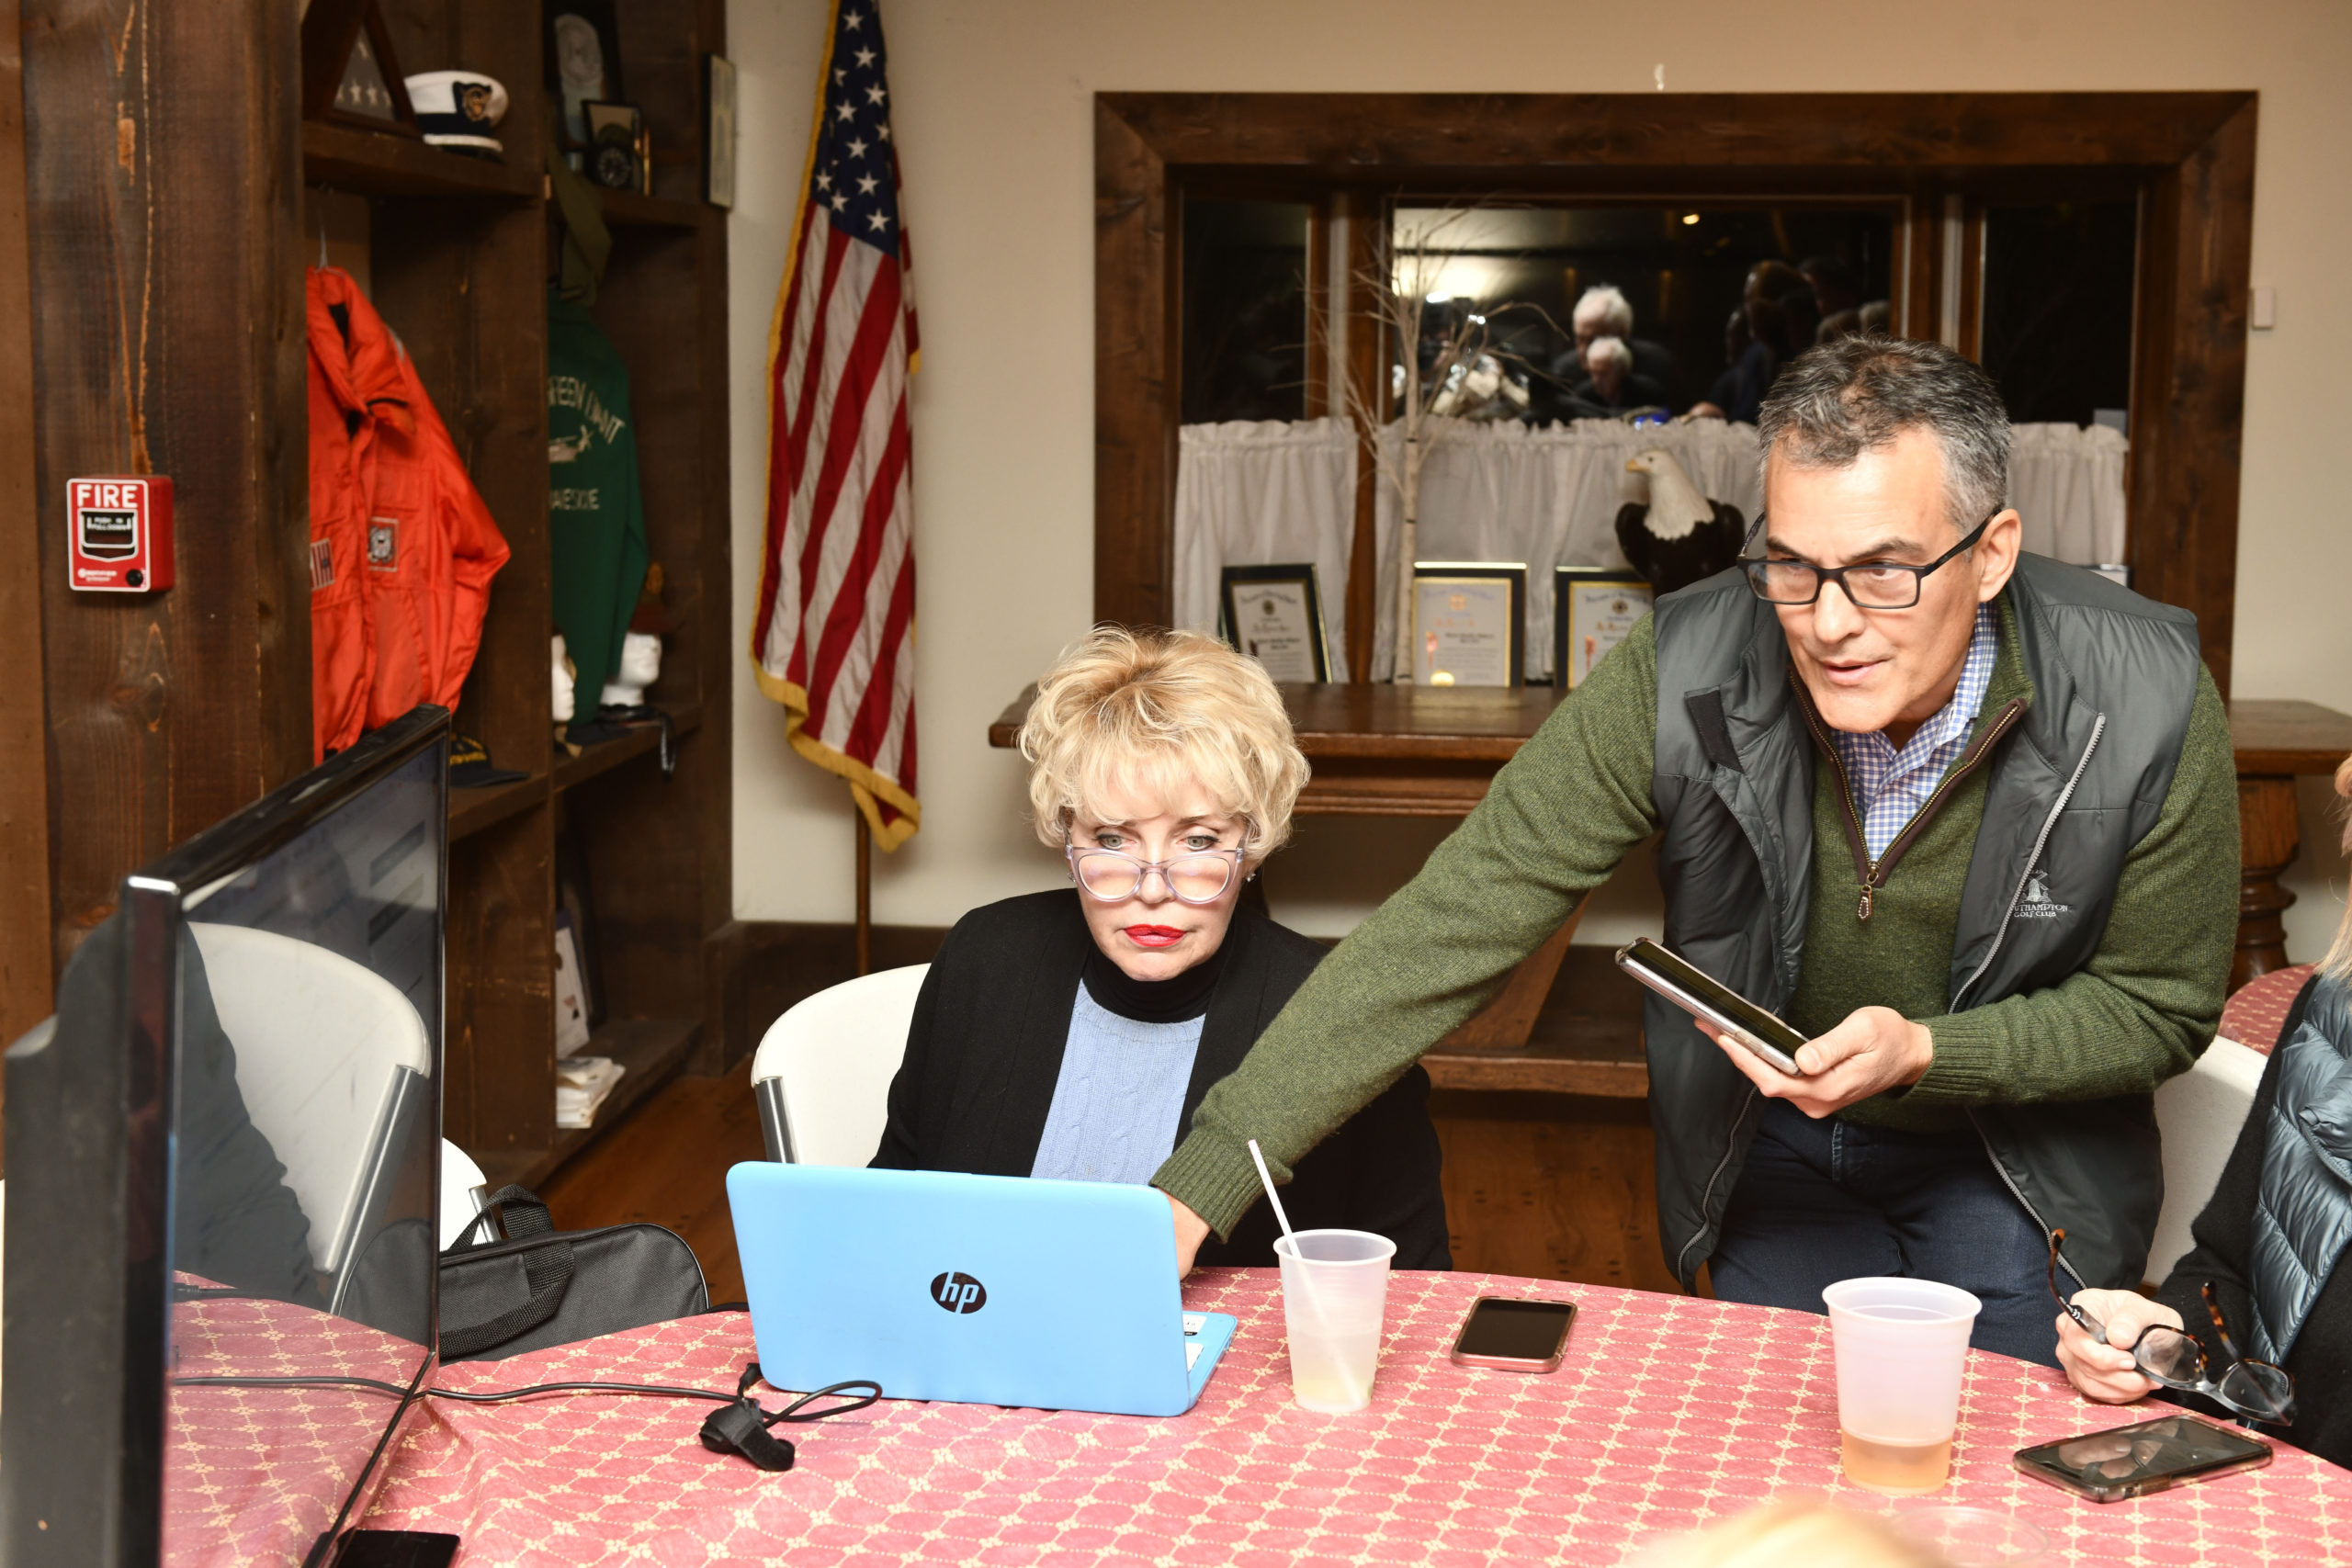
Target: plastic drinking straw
x=1280, y=1218
x=1313, y=1304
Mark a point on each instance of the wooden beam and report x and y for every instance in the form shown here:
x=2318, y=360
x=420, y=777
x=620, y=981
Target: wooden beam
x=1135, y=347
x=2189, y=382
x=1371, y=138
x=25, y=991
x=167, y=337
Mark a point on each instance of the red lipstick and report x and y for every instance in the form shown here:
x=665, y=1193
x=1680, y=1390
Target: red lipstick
x=1154, y=936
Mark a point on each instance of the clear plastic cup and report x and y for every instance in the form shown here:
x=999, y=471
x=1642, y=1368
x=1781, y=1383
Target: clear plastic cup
x=1900, y=1346
x=1335, y=1295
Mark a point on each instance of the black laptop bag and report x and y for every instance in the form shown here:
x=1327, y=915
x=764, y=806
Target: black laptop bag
x=541, y=1286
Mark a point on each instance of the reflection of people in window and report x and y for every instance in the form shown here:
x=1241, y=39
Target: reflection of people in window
x=234, y=1220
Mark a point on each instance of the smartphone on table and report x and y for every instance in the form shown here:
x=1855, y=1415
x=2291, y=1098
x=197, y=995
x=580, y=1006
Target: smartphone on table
x=1518, y=1335
x=1767, y=1037
x=2153, y=1456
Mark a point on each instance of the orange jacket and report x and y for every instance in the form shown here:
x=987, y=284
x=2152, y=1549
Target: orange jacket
x=401, y=547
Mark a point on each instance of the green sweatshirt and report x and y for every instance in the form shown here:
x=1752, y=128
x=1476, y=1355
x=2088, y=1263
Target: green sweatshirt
x=1577, y=799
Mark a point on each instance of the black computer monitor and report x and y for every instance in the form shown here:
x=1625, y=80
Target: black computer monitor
x=223, y=1181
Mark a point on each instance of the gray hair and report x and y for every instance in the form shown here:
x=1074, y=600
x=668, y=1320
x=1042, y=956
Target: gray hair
x=1856, y=395
x=1608, y=348
x=1607, y=304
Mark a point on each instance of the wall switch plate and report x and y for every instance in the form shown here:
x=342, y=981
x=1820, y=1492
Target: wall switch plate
x=2265, y=312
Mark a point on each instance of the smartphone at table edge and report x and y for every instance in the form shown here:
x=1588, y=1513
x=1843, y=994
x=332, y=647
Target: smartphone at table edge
x=1766, y=1036
x=1514, y=1333
x=2246, y=1452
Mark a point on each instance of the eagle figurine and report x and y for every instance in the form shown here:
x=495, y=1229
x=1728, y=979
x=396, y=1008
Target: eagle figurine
x=1680, y=536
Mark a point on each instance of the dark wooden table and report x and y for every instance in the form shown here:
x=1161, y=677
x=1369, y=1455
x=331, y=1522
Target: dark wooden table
x=2276, y=742
x=1383, y=751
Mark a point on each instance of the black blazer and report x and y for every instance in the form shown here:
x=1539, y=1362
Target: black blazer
x=985, y=1051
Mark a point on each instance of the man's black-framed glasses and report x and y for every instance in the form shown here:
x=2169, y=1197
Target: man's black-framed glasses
x=2254, y=1389
x=1870, y=585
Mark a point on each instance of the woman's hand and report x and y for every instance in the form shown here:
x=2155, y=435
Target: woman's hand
x=2104, y=1373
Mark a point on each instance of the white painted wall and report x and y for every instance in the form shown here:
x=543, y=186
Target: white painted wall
x=993, y=119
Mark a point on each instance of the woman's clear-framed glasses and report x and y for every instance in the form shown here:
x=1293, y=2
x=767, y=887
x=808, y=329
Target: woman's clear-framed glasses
x=1870, y=585
x=2254, y=1389
x=1113, y=875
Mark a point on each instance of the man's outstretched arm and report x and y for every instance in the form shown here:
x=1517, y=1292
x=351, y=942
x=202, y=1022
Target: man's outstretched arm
x=1560, y=815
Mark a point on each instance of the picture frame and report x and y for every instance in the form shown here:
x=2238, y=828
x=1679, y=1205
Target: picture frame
x=350, y=73
x=718, y=130
x=583, y=51
x=1273, y=613
x=1469, y=623
x=1593, y=609
x=619, y=155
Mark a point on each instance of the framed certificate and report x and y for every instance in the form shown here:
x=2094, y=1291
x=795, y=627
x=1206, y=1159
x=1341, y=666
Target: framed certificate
x=1275, y=615
x=1592, y=609
x=1469, y=623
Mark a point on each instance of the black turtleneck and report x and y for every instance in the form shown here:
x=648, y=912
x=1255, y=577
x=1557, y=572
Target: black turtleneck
x=1173, y=1000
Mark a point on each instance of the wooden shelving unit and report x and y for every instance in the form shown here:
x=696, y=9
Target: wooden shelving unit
x=368, y=162
x=459, y=253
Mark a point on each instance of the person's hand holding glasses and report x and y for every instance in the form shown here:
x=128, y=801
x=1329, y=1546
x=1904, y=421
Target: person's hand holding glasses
x=2168, y=1355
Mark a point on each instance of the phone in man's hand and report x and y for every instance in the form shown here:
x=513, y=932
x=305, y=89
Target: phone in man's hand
x=1768, y=1038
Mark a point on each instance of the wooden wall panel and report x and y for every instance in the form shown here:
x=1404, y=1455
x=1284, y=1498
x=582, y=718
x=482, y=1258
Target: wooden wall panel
x=166, y=338
x=2189, y=382
x=1552, y=1187
x=24, y=954
x=1134, y=348
x=497, y=1092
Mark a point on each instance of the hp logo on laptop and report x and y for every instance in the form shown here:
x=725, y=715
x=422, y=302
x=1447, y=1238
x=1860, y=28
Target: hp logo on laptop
x=959, y=1292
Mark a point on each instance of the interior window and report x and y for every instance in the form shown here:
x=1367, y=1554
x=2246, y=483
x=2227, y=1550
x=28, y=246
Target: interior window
x=1703, y=283
x=2057, y=323
x=1244, y=311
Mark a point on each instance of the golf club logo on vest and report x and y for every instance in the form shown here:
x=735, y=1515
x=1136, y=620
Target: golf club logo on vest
x=2037, y=904
x=959, y=1292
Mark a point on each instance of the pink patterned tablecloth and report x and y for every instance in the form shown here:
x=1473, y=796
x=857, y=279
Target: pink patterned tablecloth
x=252, y=1474
x=1671, y=1413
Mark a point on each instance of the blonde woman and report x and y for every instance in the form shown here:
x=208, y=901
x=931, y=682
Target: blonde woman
x=1071, y=1034
x=2269, y=1246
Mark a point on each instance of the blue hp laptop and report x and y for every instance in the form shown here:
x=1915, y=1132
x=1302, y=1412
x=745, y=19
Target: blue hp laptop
x=981, y=1290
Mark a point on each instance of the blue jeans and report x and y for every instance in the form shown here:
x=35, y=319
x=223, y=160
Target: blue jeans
x=1820, y=1202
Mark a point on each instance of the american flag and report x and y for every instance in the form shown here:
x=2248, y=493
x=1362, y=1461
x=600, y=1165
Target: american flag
x=834, y=641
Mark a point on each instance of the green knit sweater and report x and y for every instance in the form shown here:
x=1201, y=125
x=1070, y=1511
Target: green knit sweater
x=1577, y=799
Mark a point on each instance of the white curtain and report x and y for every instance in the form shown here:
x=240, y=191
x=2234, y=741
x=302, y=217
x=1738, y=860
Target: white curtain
x=2067, y=483
x=1545, y=495
x=1253, y=493
x=1261, y=493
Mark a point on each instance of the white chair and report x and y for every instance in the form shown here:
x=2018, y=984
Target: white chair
x=2200, y=1114
x=463, y=1187
x=822, y=1073
x=331, y=1061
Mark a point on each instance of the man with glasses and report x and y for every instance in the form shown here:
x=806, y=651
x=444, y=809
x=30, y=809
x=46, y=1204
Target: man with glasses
x=1965, y=817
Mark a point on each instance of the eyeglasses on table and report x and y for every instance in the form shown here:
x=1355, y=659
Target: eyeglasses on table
x=2254, y=1389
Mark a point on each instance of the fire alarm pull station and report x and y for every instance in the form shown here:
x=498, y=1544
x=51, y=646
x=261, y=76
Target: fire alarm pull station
x=120, y=532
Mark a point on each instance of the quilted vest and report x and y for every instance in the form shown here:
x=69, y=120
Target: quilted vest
x=2071, y=790
x=2302, y=1212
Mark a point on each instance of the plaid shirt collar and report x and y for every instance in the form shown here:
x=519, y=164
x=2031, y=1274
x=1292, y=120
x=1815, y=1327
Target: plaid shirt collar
x=1889, y=786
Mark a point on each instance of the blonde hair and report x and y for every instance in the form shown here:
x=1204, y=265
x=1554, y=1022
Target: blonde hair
x=1154, y=709
x=2338, y=960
